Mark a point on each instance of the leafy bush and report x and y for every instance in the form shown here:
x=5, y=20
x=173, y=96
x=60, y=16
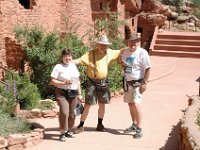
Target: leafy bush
x=11, y=125
x=7, y=103
x=196, y=2
x=22, y=90
x=27, y=92
x=115, y=77
x=8, y=94
x=196, y=12
x=115, y=71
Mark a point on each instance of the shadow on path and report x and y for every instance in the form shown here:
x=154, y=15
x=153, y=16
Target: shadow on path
x=49, y=133
x=172, y=142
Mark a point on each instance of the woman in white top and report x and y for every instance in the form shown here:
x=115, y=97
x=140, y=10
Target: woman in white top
x=65, y=77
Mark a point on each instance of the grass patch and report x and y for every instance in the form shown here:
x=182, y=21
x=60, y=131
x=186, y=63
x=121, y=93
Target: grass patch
x=12, y=125
x=46, y=104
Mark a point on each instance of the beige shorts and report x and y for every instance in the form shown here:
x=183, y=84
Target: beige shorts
x=133, y=95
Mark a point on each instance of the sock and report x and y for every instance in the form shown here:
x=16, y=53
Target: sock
x=81, y=124
x=100, y=121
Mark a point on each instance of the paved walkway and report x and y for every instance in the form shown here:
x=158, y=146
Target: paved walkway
x=163, y=102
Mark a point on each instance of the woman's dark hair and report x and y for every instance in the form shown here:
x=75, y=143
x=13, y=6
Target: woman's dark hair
x=65, y=52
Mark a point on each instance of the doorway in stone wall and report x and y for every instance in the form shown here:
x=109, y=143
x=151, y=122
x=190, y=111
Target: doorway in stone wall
x=139, y=30
x=101, y=5
x=25, y=3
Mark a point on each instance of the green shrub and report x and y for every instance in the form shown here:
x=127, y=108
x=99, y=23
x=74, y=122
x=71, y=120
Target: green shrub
x=8, y=94
x=9, y=125
x=196, y=2
x=196, y=12
x=22, y=90
x=7, y=103
x=27, y=92
x=115, y=71
x=115, y=77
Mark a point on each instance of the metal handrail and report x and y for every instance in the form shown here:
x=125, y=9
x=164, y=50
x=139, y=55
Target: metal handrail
x=13, y=76
x=3, y=82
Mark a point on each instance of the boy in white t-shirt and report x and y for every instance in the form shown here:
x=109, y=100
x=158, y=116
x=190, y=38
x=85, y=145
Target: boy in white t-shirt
x=136, y=63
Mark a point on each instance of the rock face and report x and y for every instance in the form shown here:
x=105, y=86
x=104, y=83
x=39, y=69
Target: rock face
x=133, y=6
x=153, y=6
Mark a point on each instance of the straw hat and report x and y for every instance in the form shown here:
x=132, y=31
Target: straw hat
x=103, y=40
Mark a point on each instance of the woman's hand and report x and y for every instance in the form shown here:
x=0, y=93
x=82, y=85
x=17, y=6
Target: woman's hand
x=68, y=82
x=80, y=98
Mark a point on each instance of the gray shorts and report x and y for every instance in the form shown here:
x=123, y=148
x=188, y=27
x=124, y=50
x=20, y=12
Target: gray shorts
x=92, y=96
x=133, y=95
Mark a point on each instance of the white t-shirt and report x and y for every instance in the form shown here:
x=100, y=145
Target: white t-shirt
x=137, y=62
x=66, y=72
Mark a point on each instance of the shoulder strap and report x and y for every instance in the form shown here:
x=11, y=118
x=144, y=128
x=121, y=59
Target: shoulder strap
x=94, y=62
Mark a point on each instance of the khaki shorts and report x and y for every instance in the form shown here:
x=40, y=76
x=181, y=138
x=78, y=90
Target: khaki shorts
x=133, y=95
x=92, y=96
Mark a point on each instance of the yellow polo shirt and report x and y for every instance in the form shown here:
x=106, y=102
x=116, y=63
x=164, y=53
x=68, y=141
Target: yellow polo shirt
x=102, y=62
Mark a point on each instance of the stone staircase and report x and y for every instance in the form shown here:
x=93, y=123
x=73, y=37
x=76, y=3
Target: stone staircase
x=177, y=44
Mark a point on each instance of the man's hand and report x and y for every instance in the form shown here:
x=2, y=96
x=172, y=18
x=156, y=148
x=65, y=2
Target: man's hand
x=142, y=88
x=76, y=61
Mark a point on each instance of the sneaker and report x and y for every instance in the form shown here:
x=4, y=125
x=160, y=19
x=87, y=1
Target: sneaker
x=62, y=137
x=79, y=130
x=69, y=134
x=132, y=128
x=138, y=133
x=101, y=128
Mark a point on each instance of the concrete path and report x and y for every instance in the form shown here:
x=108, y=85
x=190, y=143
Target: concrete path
x=163, y=104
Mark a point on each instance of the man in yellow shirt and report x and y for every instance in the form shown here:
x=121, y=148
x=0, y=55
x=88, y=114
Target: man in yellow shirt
x=97, y=90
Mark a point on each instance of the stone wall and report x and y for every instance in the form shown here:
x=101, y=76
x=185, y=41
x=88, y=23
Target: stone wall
x=48, y=14
x=79, y=12
x=43, y=13
x=22, y=141
x=190, y=131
